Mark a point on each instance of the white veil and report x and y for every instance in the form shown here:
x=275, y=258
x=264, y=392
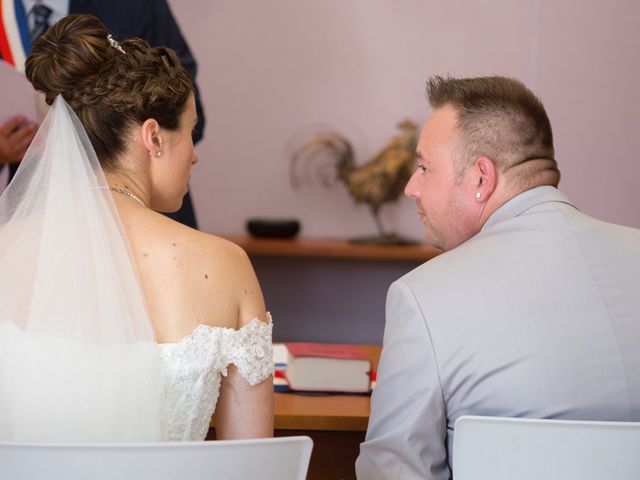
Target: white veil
x=78, y=359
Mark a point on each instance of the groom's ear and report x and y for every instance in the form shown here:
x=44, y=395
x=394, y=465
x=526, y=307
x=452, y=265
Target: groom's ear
x=151, y=136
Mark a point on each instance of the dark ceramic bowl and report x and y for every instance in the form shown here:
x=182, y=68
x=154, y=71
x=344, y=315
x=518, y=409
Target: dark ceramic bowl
x=273, y=228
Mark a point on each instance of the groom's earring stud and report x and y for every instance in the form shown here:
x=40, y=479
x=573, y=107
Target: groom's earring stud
x=478, y=195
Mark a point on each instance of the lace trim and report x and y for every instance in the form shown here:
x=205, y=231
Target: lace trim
x=204, y=326
x=194, y=367
x=249, y=348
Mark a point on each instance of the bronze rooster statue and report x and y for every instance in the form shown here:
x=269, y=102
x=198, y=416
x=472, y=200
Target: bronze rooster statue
x=375, y=183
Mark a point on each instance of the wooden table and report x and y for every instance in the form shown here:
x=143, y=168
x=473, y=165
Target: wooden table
x=331, y=248
x=336, y=423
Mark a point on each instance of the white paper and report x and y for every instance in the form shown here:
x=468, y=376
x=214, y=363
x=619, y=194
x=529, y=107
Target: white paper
x=17, y=95
x=280, y=356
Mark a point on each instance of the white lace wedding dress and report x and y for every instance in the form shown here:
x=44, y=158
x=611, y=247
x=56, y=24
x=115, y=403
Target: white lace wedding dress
x=78, y=358
x=192, y=370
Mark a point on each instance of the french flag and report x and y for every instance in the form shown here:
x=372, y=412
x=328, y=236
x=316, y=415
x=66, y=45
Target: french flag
x=14, y=33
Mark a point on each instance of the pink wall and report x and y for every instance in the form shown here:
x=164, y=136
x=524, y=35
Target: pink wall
x=268, y=68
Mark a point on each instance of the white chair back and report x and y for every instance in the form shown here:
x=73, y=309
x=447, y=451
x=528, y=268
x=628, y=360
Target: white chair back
x=280, y=458
x=520, y=448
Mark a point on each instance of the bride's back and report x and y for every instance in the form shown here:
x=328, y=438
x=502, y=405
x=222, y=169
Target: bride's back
x=137, y=106
x=188, y=277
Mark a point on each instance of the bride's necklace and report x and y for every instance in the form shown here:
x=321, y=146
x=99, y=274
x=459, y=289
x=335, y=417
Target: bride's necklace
x=128, y=194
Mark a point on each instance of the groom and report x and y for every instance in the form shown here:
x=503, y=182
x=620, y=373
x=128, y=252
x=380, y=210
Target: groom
x=532, y=311
x=150, y=20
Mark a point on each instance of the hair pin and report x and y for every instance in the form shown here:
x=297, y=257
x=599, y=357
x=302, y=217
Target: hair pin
x=115, y=44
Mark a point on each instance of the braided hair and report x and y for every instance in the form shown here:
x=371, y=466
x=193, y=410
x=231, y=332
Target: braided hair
x=111, y=89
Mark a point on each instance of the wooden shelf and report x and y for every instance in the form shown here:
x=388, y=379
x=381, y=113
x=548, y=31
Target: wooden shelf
x=330, y=248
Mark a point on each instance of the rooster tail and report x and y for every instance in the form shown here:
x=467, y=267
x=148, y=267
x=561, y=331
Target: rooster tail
x=327, y=154
x=346, y=163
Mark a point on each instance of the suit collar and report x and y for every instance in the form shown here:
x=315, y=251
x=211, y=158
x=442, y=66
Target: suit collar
x=75, y=4
x=524, y=201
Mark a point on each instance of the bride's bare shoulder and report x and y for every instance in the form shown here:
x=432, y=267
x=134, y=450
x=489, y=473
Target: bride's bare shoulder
x=219, y=249
x=189, y=245
x=205, y=272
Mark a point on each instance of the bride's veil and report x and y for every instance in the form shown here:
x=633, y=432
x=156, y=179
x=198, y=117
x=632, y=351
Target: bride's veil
x=78, y=360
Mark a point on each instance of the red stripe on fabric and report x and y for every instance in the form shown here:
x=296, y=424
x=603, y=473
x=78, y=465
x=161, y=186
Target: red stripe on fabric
x=5, y=50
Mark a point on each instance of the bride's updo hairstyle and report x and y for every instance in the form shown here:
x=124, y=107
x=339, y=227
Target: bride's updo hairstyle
x=112, y=87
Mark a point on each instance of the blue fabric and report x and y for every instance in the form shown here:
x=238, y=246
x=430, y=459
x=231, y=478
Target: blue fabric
x=21, y=20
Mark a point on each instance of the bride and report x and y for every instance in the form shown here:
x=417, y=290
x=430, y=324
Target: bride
x=117, y=323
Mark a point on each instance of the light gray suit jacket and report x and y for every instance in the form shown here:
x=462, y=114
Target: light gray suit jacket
x=536, y=316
